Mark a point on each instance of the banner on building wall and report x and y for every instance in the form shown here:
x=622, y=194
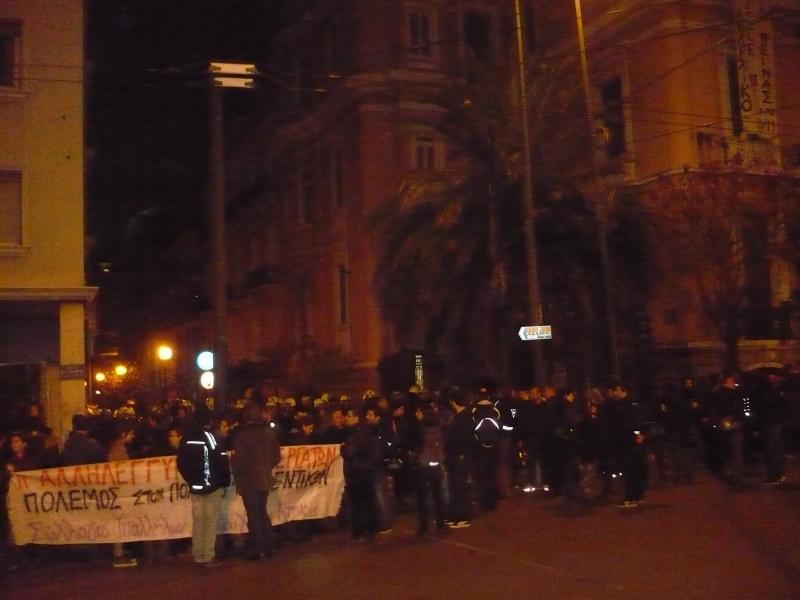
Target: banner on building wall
x=146, y=499
x=755, y=68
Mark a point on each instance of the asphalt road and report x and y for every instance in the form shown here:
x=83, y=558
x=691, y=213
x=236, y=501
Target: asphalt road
x=700, y=541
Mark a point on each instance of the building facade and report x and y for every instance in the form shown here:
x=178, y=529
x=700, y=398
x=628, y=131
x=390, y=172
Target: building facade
x=344, y=127
x=685, y=102
x=697, y=102
x=44, y=302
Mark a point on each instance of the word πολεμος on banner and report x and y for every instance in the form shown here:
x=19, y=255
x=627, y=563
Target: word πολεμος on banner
x=146, y=499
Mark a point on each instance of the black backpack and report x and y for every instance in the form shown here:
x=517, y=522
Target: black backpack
x=487, y=424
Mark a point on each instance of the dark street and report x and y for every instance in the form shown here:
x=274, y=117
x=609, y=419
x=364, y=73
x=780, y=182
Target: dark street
x=698, y=541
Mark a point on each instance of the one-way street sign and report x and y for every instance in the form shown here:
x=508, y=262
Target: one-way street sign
x=535, y=332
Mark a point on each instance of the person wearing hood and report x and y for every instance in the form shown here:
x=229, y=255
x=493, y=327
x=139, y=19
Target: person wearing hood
x=256, y=452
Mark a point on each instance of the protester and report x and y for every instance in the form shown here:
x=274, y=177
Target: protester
x=21, y=458
x=373, y=419
x=731, y=408
x=459, y=448
x=486, y=425
x=363, y=457
x=591, y=438
x=119, y=451
x=428, y=459
x=337, y=432
x=255, y=454
x=772, y=409
x=80, y=448
x=206, y=469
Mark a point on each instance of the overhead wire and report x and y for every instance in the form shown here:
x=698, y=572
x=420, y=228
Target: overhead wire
x=98, y=73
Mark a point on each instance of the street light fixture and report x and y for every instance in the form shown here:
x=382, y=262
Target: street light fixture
x=165, y=354
x=205, y=360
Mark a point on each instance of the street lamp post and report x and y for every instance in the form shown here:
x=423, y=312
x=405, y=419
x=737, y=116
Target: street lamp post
x=223, y=75
x=534, y=292
x=601, y=203
x=164, y=353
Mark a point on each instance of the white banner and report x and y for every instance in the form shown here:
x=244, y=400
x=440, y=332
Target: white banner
x=146, y=499
x=755, y=60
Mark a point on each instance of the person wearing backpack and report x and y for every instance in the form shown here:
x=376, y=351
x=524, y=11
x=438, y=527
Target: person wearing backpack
x=486, y=420
x=428, y=459
x=206, y=469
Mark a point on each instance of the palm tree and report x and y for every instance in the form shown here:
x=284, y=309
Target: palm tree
x=451, y=274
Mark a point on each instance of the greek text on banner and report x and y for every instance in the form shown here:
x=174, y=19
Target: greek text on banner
x=146, y=499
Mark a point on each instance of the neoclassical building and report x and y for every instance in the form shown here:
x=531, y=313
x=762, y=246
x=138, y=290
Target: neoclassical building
x=677, y=94
x=695, y=106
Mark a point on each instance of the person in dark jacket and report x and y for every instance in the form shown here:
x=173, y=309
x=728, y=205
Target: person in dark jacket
x=773, y=416
x=427, y=455
x=459, y=447
x=363, y=456
x=486, y=428
x=256, y=452
x=373, y=418
x=18, y=458
x=628, y=439
x=207, y=471
x=80, y=449
x=732, y=412
x=337, y=432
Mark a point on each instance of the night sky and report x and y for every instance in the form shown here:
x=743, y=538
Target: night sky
x=146, y=131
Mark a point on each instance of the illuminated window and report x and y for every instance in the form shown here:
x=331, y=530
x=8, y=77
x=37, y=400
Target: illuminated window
x=10, y=52
x=11, y=208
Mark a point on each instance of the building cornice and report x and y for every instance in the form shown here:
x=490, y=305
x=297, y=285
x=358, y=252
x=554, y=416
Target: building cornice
x=53, y=294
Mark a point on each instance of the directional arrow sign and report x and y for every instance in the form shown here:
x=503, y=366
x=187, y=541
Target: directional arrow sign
x=535, y=332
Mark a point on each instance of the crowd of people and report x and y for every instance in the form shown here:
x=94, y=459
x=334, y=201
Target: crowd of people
x=440, y=454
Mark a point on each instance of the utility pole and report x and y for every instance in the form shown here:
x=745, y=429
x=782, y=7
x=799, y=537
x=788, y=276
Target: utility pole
x=223, y=75
x=531, y=254
x=219, y=274
x=601, y=203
